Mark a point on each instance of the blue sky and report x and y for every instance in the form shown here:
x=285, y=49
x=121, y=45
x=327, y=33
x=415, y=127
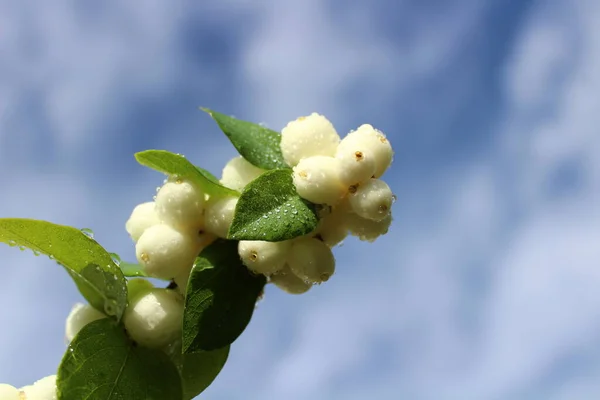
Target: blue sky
x=486, y=287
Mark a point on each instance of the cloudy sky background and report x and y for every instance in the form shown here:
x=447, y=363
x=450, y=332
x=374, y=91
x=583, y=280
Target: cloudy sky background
x=487, y=285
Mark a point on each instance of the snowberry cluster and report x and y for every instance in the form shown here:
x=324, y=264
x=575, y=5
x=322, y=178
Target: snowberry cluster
x=341, y=174
x=44, y=389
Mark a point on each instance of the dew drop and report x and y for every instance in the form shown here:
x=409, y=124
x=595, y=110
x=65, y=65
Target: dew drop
x=110, y=307
x=394, y=198
x=51, y=256
x=12, y=243
x=116, y=259
x=22, y=248
x=88, y=232
x=36, y=253
x=294, y=211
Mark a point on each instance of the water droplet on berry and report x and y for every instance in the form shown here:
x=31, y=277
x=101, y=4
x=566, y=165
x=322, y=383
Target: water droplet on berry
x=145, y=257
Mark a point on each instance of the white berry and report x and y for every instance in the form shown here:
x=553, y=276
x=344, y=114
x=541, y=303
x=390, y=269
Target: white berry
x=263, y=257
x=155, y=318
x=317, y=179
x=309, y=136
x=137, y=287
x=164, y=251
x=311, y=260
x=8, y=392
x=238, y=172
x=44, y=389
x=81, y=314
x=372, y=200
x=288, y=282
x=357, y=160
x=219, y=215
x=180, y=204
x=377, y=144
x=142, y=217
x=368, y=230
x=332, y=228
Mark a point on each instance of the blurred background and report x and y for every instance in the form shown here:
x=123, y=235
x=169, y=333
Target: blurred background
x=488, y=283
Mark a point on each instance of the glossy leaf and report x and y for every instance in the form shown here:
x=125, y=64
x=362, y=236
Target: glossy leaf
x=132, y=269
x=175, y=164
x=270, y=209
x=220, y=300
x=102, y=363
x=92, y=268
x=198, y=370
x=257, y=144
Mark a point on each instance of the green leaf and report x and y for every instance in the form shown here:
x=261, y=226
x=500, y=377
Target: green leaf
x=198, y=370
x=270, y=209
x=220, y=300
x=92, y=268
x=132, y=270
x=102, y=363
x=208, y=175
x=257, y=144
x=175, y=164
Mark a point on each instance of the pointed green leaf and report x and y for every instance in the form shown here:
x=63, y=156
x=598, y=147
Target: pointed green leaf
x=132, y=270
x=270, y=209
x=198, y=370
x=220, y=300
x=175, y=164
x=92, y=268
x=257, y=144
x=102, y=363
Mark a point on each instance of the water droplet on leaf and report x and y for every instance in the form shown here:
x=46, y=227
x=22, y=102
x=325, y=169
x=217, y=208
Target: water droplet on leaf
x=88, y=232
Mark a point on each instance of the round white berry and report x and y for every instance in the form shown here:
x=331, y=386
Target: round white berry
x=155, y=318
x=368, y=230
x=317, y=179
x=264, y=257
x=81, y=314
x=164, y=251
x=288, y=282
x=238, y=172
x=182, y=278
x=309, y=136
x=180, y=204
x=8, y=392
x=372, y=200
x=142, y=217
x=357, y=160
x=332, y=228
x=137, y=287
x=44, y=389
x=374, y=142
x=311, y=260
x=219, y=215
